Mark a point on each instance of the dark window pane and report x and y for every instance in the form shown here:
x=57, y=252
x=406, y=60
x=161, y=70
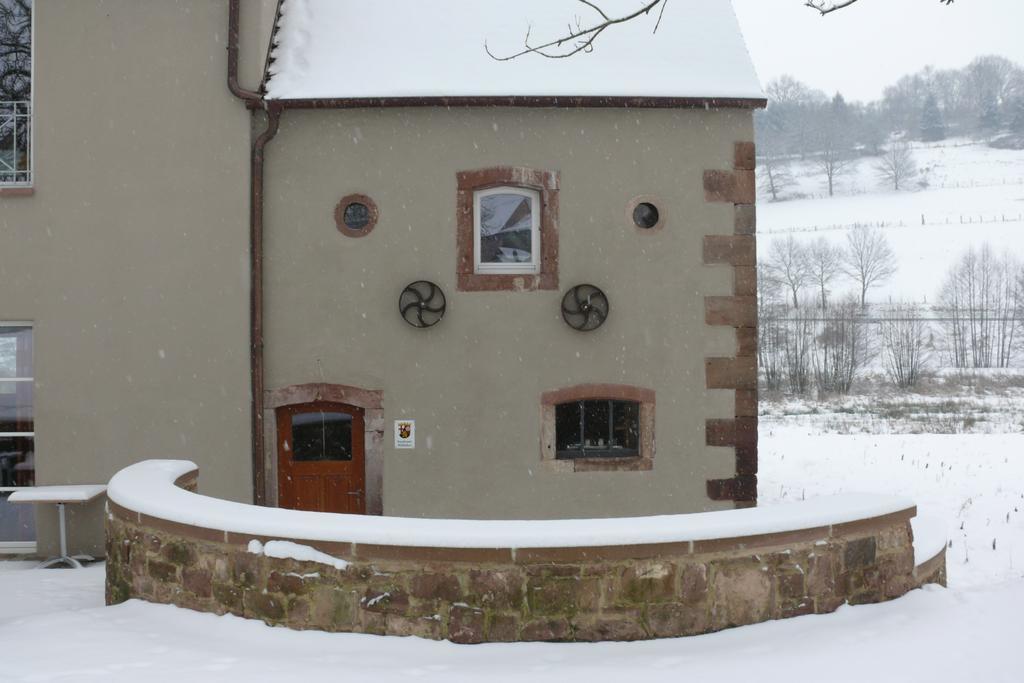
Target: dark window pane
x=595, y=425
x=17, y=522
x=357, y=216
x=15, y=352
x=320, y=436
x=17, y=461
x=506, y=229
x=597, y=429
x=567, y=427
x=16, y=407
x=626, y=426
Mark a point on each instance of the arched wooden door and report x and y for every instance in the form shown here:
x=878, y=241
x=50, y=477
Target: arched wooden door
x=321, y=463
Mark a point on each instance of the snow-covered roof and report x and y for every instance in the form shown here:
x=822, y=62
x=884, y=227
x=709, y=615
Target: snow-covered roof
x=341, y=49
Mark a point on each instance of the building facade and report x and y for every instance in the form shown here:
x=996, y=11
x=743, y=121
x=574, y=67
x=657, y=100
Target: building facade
x=237, y=280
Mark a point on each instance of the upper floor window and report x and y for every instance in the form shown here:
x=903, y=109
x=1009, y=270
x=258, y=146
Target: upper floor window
x=507, y=229
x=15, y=92
x=506, y=224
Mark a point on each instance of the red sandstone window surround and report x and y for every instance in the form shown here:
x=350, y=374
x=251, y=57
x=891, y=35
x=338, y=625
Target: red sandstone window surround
x=507, y=229
x=620, y=415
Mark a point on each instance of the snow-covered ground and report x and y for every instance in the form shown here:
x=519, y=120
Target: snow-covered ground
x=972, y=483
x=930, y=635
x=975, y=195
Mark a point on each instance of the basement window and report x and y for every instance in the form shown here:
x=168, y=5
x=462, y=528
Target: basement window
x=597, y=429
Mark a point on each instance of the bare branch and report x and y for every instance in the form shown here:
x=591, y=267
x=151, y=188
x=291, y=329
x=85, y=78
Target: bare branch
x=826, y=7
x=584, y=37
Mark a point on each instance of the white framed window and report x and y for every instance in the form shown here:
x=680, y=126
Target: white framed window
x=17, y=435
x=506, y=231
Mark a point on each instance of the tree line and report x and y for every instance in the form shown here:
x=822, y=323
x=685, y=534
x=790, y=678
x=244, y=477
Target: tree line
x=984, y=100
x=812, y=343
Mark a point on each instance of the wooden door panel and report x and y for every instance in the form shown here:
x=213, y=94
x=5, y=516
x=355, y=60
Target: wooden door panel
x=307, y=492
x=339, y=494
x=334, y=478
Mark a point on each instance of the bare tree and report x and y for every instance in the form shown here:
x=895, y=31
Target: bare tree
x=797, y=341
x=581, y=37
x=868, y=259
x=897, y=166
x=835, y=156
x=841, y=348
x=788, y=124
x=774, y=175
x=904, y=334
x=771, y=330
x=787, y=265
x=824, y=263
x=983, y=307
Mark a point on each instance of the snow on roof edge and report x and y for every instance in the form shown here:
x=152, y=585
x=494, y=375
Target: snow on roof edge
x=701, y=55
x=148, y=487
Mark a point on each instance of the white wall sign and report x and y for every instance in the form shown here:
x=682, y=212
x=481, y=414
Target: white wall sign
x=405, y=433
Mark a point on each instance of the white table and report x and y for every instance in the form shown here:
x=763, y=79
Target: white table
x=61, y=496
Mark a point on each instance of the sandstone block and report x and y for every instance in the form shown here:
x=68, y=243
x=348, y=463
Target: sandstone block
x=436, y=587
x=551, y=630
x=466, y=625
x=673, y=620
x=743, y=592
x=499, y=589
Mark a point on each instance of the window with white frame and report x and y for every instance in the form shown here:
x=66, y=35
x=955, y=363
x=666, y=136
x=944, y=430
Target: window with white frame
x=506, y=230
x=17, y=433
x=15, y=93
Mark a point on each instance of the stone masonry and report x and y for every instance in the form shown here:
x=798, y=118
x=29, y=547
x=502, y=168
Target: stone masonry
x=504, y=595
x=739, y=373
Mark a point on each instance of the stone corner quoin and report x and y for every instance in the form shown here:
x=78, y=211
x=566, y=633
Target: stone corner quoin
x=738, y=311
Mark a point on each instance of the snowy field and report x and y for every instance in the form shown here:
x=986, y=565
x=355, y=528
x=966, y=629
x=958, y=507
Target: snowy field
x=971, y=483
x=975, y=195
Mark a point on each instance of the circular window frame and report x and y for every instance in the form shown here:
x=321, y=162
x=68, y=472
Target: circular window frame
x=646, y=199
x=339, y=215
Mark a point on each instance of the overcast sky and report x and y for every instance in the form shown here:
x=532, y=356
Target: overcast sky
x=863, y=48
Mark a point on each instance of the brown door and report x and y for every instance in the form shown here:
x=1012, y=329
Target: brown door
x=320, y=459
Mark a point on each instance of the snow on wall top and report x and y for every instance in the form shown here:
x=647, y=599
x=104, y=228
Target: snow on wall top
x=147, y=487
x=435, y=48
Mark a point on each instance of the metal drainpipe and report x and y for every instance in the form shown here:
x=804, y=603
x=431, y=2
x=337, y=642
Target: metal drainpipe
x=254, y=100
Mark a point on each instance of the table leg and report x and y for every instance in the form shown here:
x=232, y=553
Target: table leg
x=64, y=557
x=63, y=530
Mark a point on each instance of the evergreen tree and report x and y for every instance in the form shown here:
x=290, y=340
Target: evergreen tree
x=933, y=128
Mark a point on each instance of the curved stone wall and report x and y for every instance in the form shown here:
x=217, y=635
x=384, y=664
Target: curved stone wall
x=502, y=593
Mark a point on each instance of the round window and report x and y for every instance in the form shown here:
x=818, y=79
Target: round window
x=646, y=215
x=356, y=215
